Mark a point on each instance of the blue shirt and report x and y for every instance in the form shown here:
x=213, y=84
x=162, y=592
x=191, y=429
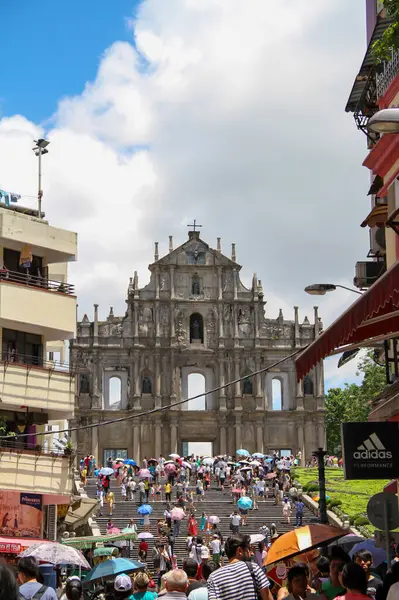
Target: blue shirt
x=29, y=589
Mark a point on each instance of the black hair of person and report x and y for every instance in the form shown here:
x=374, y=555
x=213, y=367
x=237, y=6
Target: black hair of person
x=8, y=584
x=233, y=542
x=74, y=589
x=354, y=577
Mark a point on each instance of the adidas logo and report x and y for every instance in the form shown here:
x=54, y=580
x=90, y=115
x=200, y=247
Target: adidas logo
x=372, y=448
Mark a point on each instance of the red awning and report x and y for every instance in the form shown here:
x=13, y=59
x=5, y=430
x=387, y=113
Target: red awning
x=375, y=313
x=15, y=545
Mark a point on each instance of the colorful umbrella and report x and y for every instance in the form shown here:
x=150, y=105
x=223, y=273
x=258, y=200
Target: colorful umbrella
x=242, y=452
x=56, y=554
x=144, y=509
x=113, y=530
x=213, y=520
x=152, y=460
x=244, y=502
x=174, y=455
x=110, y=568
x=208, y=462
x=258, y=455
x=106, y=471
x=377, y=553
x=177, y=514
x=170, y=468
x=256, y=538
x=271, y=475
x=186, y=464
x=302, y=539
x=145, y=535
x=131, y=462
x=145, y=474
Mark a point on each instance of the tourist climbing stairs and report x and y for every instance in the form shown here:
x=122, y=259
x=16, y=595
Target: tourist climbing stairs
x=215, y=502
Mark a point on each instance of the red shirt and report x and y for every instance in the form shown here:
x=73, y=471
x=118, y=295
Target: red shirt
x=143, y=546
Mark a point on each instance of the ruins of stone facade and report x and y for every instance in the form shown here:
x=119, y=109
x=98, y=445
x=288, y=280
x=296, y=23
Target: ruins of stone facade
x=195, y=316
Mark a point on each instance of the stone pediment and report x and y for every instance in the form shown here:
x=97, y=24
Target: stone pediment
x=195, y=252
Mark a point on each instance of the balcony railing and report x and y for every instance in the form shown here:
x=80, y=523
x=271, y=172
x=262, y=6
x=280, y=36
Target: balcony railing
x=27, y=360
x=20, y=444
x=390, y=70
x=36, y=282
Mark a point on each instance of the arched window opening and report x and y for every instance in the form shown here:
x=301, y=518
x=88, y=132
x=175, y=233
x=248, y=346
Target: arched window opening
x=115, y=393
x=146, y=385
x=308, y=386
x=195, y=386
x=247, y=388
x=196, y=328
x=277, y=394
x=84, y=383
x=195, y=285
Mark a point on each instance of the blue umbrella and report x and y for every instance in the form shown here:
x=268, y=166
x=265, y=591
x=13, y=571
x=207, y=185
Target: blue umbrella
x=110, y=568
x=131, y=462
x=106, y=471
x=242, y=452
x=244, y=502
x=258, y=455
x=144, y=509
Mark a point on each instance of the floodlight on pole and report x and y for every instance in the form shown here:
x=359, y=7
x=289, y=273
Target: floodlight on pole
x=39, y=150
x=320, y=289
x=384, y=121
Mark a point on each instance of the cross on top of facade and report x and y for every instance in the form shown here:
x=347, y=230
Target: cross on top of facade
x=194, y=225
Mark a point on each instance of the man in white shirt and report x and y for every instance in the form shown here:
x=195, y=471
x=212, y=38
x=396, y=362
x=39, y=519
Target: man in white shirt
x=215, y=548
x=235, y=520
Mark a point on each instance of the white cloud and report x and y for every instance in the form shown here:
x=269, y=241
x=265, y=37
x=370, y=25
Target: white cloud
x=238, y=121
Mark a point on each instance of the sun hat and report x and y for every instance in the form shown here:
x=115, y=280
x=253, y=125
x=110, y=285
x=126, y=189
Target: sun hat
x=122, y=583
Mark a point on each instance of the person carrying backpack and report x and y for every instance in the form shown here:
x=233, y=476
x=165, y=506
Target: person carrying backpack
x=29, y=577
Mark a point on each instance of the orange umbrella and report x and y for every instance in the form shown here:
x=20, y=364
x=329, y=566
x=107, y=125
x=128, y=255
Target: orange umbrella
x=301, y=539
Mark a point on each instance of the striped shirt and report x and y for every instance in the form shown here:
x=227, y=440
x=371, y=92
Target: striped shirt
x=235, y=582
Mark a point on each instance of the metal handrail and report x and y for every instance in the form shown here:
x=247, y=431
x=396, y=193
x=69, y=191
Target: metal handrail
x=21, y=444
x=13, y=357
x=37, y=282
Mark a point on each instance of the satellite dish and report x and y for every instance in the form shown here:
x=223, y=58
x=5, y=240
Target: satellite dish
x=347, y=357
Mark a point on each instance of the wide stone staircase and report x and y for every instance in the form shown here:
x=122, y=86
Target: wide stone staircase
x=215, y=503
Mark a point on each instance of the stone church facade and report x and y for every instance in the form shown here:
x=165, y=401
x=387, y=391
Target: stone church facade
x=195, y=316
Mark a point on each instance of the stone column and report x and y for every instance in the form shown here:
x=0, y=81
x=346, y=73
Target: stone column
x=172, y=282
x=259, y=438
x=220, y=284
x=299, y=394
x=173, y=437
x=156, y=315
x=137, y=382
x=235, y=317
x=157, y=284
x=158, y=395
x=220, y=322
x=136, y=441
x=95, y=325
x=223, y=438
x=158, y=438
x=173, y=391
x=258, y=382
x=301, y=443
x=222, y=392
x=136, y=323
x=172, y=321
x=296, y=327
x=256, y=322
x=237, y=385
x=235, y=283
x=238, y=432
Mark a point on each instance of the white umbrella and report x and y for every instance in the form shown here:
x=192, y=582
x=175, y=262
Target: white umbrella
x=174, y=455
x=56, y=554
x=186, y=464
x=256, y=538
x=208, y=462
x=145, y=535
x=244, y=462
x=177, y=514
x=255, y=463
x=213, y=520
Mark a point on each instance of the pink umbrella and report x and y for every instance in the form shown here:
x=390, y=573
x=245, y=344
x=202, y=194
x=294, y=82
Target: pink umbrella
x=145, y=474
x=186, y=464
x=170, y=468
x=113, y=530
x=177, y=514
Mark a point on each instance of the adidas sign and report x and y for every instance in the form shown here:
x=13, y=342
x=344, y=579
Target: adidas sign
x=372, y=448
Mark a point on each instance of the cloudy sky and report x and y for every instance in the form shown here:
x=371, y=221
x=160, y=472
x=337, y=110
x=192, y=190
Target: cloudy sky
x=227, y=111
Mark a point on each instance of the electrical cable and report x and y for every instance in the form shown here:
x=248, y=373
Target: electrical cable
x=159, y=408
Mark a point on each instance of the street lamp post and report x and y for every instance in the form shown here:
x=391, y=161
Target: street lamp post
x=39, y=150
x=320, y=454
x=320, y=289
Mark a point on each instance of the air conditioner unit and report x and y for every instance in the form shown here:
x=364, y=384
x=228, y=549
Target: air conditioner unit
x=377, y=242
x=367, y=273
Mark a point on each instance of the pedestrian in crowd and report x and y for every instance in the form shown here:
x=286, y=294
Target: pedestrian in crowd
x=299, y=505
x=240, y=578
x=286, y=510
x=364, y=558
x=176, y=585
x=158, y=492
x=143, y=551
x=176, y=528
x=190, y=567
x=216, y=546
x=276, y=493
x=110, y=525
x=235, y=520
x=140, y=585
x=31, y=581
x=390, y=588
x=146, y=522
x=123, y=492
x=122, y=588
x=111, y=502
x=333, y=587
x=168, y=491
x=8, y=584
x=192, y=526
x=353, y=579
x=203, y=522
x=204, y=560
x=73, y=589
x=168, y=516
x=297, y=583
x=201, y=593
x=196, y=548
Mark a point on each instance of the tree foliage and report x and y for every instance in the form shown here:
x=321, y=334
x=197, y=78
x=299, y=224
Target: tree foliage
x=390, y=38
x=352, y=403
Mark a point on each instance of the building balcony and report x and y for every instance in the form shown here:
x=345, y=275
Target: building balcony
x=28, y=469
x=32, y=384
x=388, y=75
x=37, y=305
